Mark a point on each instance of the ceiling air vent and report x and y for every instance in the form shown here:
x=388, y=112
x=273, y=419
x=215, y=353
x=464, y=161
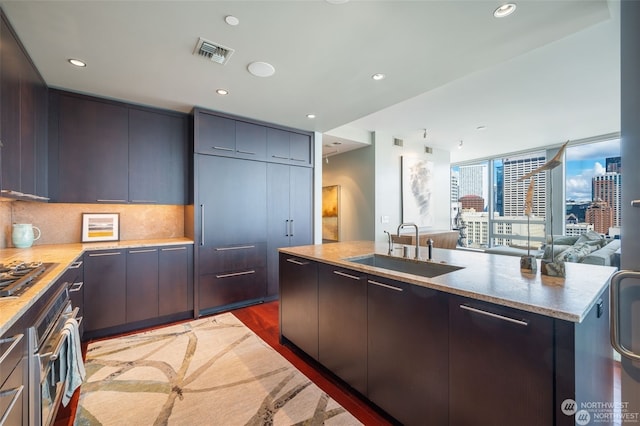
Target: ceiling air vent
x=398, y=142
x=213, y=51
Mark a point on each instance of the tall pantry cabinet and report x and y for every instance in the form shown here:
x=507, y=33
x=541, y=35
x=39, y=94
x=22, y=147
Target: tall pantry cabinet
x=253, y=186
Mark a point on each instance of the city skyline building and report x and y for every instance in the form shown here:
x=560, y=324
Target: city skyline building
x=600, y=215
x=613, y=164
x=471, y=180
x=515, y=192
x=474, y=202
x=608, y=188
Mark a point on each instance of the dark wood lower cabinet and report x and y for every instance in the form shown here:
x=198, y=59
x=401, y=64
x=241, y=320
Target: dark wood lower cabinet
x=175, y=280
x=342, y=324
x=142, y=284
x=228, y=288
x=501, y=365
x=105, y=289
x=407, y=351
x=299, y=303
x=138, y=287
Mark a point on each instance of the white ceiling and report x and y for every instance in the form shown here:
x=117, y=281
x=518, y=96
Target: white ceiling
x=548, y=73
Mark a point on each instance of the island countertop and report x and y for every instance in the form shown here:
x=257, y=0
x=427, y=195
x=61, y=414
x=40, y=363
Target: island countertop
x=61, y=255
x=489, y=277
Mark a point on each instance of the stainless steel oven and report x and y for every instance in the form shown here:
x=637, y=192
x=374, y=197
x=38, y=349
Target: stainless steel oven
x=46, y=339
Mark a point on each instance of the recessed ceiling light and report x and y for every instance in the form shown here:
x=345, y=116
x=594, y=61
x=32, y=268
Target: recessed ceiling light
x=222, y=92
x=460, y=145
x=261, y=69
x=336, y=143
x=311, y=116
x=504, y=10
x=378, y=76
x=231, y=20
x=77, y=63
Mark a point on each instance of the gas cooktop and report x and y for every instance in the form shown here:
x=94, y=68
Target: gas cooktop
x=17, y=277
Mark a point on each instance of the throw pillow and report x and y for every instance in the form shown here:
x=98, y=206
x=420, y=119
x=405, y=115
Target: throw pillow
x=576, y=252
x=590, y=236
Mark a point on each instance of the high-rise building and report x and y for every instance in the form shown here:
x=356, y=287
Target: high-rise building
x=600, y=215
x=455, y=188
x=515, y=192
x=608, y=188
x=577, y=208
x=474, y=202
x=499, y=191
x=614, y=164
x=471, y=180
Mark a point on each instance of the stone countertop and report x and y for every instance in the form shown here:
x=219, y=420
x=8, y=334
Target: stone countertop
x=62, y=255
x=488, y=277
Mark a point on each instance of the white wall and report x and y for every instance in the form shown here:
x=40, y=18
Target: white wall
x=354, y=172
x=370, y=185
x=388, y=184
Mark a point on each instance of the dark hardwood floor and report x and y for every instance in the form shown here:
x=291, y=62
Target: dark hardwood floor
x=263, y=319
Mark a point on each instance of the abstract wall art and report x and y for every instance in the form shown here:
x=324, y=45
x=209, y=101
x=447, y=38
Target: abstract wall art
x=330, y=213
x=417, y=191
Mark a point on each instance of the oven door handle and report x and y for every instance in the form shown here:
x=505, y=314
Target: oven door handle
x=53, y=355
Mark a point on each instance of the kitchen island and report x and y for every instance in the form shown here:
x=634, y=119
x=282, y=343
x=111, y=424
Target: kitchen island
x=486, y=341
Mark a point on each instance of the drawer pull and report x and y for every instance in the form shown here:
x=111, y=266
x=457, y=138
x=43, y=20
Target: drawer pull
x=75, y=265
x=234, y=248
x=297, y=262
x=111, y=201
x=143, y=251
x=18, y=392
x=174, y=248
x=280, y=157
x=16, y=339
x=236, y=274
x=246, y=152
x=497, y=316
x=114, y=253
x=385, y=285
x=343, y=274
x=145, y=201
x=222, y=148
x=75, y=287
x=298, y=159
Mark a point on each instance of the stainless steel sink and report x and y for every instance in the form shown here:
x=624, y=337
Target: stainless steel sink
x=408, y=266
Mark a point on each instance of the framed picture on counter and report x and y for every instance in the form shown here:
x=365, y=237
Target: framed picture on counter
x=100, y=227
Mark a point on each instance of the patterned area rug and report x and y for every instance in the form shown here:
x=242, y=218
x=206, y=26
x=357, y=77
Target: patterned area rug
x=210, y=371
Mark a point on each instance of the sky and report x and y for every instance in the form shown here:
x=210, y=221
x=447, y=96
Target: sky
x=583, y=163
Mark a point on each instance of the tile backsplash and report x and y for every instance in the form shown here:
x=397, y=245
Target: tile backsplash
x=61, y=223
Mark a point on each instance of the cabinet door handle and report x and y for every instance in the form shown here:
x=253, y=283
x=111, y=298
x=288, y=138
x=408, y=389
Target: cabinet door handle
x=234, y=248
x=222, y=148
x=298, y=159
x=16, y=339
x=280, y=157
x=286, y=228
x=201, y=224
x=110, y=201
x=145, y=201
x=114, y=253
x=246, y=152
x=291, y=227
x=497, y=316
x=385, y=285
x=236, y=274
x=297, y=262
x=76, y=287
x=143, y=251
x=18, y=392
x=173, y=248
x=75, y=265
x=344, y=274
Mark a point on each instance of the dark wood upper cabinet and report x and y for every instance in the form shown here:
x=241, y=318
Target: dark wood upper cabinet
x=214, y=135
x=23, y=120
x=157, y=157
x=288, y=147
x=93, y=151
x=110, y=152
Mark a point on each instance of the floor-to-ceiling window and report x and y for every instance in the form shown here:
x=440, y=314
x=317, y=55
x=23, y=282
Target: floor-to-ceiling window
x=488, y=199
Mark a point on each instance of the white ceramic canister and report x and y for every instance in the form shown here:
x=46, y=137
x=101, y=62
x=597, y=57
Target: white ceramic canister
x=23, y=235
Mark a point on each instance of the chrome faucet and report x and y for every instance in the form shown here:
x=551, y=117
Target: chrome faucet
x=390, y=252
x=402, y=225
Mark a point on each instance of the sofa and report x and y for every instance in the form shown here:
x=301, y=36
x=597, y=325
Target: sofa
x=589, y=248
